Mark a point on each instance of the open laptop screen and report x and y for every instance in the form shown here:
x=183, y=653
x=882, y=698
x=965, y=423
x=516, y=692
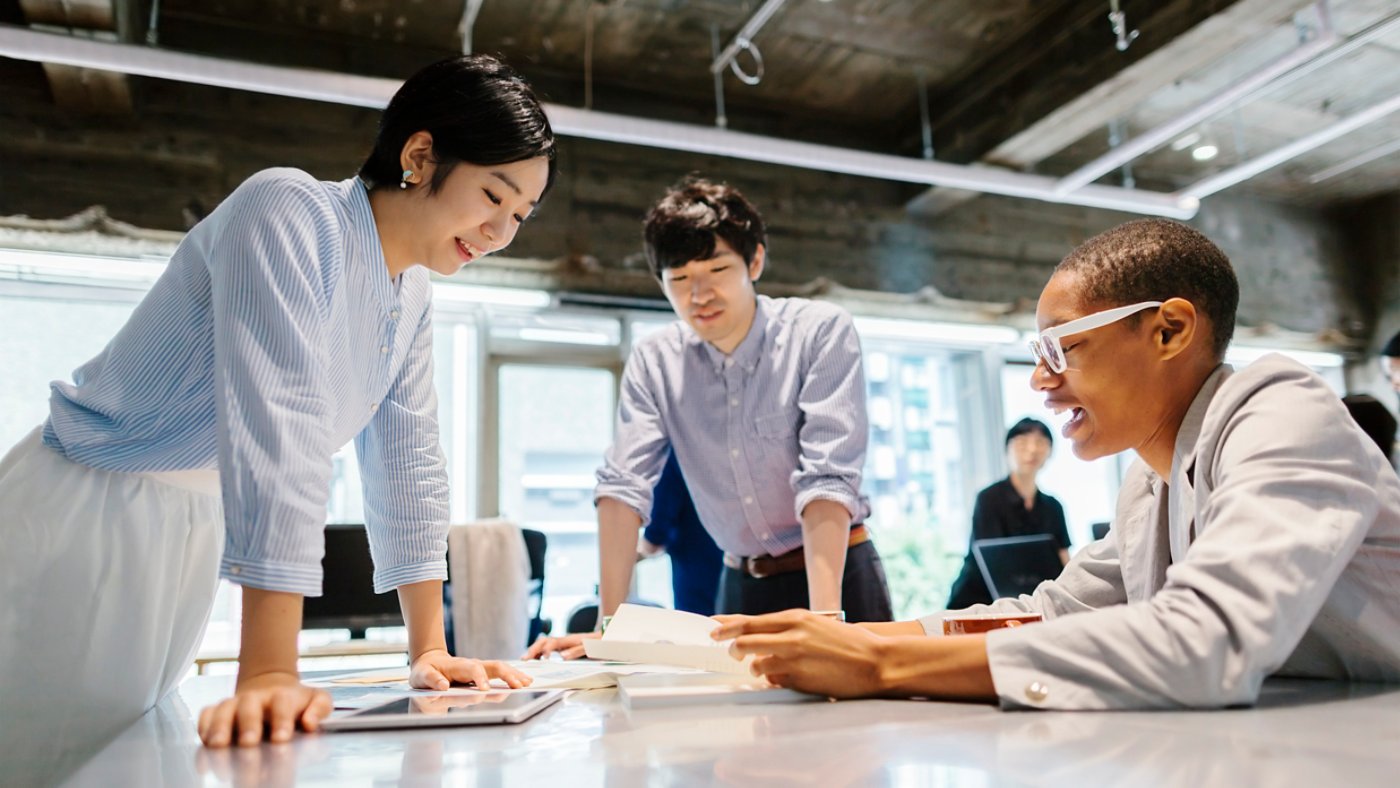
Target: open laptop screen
x=1017, y=564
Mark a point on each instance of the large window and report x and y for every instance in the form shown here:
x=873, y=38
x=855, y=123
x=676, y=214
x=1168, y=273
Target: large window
x=926, y=406
x=555, y=422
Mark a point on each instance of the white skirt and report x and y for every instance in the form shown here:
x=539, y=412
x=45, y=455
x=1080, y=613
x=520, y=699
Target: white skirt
x=107, y=580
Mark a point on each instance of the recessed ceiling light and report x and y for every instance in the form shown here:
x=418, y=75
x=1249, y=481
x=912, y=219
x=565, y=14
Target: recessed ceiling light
x=1205, y=153
x=1187, y=141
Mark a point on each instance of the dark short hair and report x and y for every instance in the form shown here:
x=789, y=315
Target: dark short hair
x=1154, y=260
x=1374, y=419
x=1028, y=426
x=476, y=108
x=1392, y=348
x=683, y=225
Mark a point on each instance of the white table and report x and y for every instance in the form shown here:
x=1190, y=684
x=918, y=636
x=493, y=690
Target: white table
x=1302, y=733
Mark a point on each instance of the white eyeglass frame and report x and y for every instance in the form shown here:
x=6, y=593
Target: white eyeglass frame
x=1049, y=339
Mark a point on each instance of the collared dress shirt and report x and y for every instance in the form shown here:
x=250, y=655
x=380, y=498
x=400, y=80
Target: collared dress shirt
x=1273, y=549
x=275, y=336
x=759, y=434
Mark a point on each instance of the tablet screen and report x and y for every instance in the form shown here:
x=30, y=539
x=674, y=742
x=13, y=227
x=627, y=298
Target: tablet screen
x=496, y=702
x=470, y=708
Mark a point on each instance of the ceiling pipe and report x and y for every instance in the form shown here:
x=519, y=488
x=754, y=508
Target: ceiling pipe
x=1249, y=169
x=374, y=92
x=1289, y=68
x=1229, y=97
x=744, y=37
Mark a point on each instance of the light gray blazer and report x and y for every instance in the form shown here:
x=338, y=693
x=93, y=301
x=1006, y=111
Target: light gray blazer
x=1274, y=549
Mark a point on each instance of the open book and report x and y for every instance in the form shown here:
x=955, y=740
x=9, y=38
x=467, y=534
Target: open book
x=664, y=637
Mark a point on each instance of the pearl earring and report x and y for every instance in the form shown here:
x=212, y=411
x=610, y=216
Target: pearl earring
x=403, y=183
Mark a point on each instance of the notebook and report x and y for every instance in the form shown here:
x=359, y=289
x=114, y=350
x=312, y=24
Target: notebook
x=652, y=691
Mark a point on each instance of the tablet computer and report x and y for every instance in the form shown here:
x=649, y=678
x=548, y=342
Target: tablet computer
x=424, y=711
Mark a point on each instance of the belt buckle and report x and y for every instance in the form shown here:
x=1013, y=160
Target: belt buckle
x=750, y=565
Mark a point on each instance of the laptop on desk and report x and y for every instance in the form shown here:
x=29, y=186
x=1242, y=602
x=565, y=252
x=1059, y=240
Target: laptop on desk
x=1015, y=565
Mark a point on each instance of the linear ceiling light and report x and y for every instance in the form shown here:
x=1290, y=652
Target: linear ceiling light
x=1290, y=67
x=498, y=296
x=1294, y=149
x=958, y=333
x=25, y=44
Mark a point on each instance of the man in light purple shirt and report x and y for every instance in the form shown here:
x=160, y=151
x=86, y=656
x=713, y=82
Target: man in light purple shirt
x=763, y=402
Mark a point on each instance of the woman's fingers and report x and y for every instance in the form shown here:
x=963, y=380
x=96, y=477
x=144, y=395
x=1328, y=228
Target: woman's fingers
x=318, y=709
x=250, y=720
x=282, y=712
x=220, y=727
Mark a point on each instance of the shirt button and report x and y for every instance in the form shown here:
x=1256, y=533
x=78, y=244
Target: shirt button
x=373, y=407
x=383, y=349
x=1036, y=692
x=748, y=499
x=729, y=362
x=394, y=315
x=237, y=570
x=733, y=452
x=734, y=402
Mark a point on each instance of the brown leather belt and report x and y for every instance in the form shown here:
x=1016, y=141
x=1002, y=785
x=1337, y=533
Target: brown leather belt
x=759, y=566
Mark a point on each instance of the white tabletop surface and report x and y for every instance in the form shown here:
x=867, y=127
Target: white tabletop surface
x=1302, y=733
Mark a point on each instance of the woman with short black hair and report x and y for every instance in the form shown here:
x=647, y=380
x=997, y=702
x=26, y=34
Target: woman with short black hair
x=1014, y=506
x=198, y=444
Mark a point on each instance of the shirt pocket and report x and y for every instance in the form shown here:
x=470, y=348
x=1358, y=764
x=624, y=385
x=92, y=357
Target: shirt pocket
x=776, y=426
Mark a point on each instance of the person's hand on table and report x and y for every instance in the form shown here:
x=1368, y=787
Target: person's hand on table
x=437, y=670
x=804, y=651
x=568, y=647
x=271, y=704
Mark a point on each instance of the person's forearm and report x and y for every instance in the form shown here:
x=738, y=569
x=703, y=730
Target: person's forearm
x=826, y=529
x=271, y=623
x=893, y=628
x=947, y=667
x=422, y=614
x=617, y=552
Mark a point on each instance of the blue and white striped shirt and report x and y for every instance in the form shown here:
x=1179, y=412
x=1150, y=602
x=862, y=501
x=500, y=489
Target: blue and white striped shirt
x=759, y=434
x=274, y=336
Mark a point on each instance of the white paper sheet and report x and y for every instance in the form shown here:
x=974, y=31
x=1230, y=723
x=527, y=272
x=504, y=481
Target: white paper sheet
x=643, y=634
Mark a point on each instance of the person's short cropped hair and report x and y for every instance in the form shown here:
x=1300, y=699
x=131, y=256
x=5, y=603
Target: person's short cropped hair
x=1028, y=426
x=1392, y=348
x=1154, y=260
x=1374, y=418
x=683, y=226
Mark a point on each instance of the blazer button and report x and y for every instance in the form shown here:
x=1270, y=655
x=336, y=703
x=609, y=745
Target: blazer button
x=1036, y=692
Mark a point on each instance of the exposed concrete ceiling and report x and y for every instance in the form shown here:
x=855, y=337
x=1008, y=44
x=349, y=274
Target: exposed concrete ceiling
x=1026, y=84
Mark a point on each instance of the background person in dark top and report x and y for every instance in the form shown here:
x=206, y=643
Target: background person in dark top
x=1012, y=507
x=675, y=529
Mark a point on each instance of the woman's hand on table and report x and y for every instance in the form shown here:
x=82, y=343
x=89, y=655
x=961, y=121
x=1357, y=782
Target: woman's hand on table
x=437, y=670
x=270, y=705
x=568, y=646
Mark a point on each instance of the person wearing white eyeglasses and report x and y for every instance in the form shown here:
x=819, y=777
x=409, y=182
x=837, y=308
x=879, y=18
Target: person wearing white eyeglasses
x=1255, y=535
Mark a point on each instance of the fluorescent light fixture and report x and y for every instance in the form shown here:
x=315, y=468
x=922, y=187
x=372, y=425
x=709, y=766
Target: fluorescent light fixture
x=90, y=266
x=560, y=336
x=25, y=44
x=1242, y=355
x=1187, y=141
x=920, y=331
x=1292, y=150
x=496, y=296
x=1205, y=153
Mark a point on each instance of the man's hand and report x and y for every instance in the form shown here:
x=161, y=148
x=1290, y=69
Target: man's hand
x=276, y=703
x=807, y=652
x=437, y=670
x=568, y=647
